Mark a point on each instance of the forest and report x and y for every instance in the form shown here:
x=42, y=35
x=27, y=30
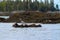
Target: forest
x=18, y=5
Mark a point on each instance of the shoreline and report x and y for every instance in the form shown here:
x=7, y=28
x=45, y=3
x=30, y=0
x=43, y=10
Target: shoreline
x=30, y=23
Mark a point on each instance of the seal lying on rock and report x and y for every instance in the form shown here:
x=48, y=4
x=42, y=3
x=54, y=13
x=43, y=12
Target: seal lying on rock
x=22, y=25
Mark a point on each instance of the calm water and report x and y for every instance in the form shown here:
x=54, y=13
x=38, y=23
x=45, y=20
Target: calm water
x=46, y=32
x=4, y=17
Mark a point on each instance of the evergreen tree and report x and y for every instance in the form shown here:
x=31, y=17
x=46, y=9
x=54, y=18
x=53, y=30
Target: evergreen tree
x=57, y=7
x=17, y=5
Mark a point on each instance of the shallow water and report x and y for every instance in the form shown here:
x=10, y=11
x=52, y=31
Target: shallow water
x=4, y=17
x=46, y=32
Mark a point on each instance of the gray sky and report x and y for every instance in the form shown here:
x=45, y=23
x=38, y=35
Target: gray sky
x=57, y=2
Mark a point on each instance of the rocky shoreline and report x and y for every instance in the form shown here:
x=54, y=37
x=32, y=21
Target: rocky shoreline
x=33, y=17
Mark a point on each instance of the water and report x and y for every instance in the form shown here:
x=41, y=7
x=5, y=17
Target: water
x=4, y=17
x=46, y=32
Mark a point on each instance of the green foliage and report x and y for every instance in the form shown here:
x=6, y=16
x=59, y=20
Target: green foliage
x=19, y=5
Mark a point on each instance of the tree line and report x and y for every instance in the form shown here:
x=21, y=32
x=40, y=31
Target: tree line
x=25, y=5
